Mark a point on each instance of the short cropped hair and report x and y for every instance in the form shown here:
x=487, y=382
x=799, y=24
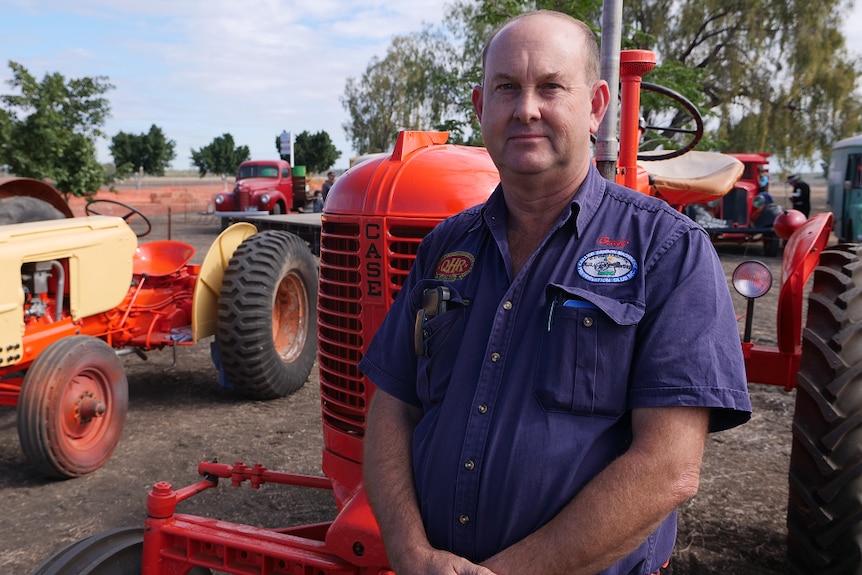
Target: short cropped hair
x=592, y=62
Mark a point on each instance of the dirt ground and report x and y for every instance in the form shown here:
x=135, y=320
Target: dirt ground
x=178, y=416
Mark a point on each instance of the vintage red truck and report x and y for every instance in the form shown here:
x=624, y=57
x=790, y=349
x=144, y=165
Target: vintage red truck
x=747, y=212
x=270, y=186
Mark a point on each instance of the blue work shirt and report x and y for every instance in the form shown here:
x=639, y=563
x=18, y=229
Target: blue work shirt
x=527, y=383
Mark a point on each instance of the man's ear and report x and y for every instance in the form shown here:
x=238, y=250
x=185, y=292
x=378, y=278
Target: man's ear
x=477, y=101
x=599, y=104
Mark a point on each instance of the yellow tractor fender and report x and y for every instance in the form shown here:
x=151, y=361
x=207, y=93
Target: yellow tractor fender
x=208, y=286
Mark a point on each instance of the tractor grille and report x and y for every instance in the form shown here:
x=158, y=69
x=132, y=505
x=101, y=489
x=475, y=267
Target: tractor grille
x=347, y=318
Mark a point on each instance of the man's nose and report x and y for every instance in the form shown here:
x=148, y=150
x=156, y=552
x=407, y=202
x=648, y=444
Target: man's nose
x=528, y=106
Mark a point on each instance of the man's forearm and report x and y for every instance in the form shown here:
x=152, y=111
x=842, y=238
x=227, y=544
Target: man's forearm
x=388, y=474
x=620, y=507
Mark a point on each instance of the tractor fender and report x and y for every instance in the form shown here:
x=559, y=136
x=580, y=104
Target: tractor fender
x=208, y=285
x=801, y=256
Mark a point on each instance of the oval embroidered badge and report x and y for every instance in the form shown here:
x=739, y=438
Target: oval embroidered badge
x=607, y=266
x=454, y=266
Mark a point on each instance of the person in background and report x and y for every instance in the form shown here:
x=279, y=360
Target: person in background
x=317, y=202
x=763, y=185
x=800, y=197
x=543, y=391
x=327, y=184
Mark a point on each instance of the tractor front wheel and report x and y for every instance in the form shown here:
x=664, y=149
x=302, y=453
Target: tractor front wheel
x=267, y=315
x=824, y=515
x=72, y=407
x=114, y=552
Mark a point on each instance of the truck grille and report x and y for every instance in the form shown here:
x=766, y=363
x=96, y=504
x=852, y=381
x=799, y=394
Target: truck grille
x=351, y=308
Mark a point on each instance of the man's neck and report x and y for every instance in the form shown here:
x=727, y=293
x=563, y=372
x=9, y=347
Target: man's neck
x=533, y=209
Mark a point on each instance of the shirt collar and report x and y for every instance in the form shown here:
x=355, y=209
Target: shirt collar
x=583, y=207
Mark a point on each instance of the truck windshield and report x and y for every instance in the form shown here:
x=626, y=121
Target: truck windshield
x=257, y=171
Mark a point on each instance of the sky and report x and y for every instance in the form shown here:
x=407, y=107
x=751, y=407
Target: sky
x=202, y=68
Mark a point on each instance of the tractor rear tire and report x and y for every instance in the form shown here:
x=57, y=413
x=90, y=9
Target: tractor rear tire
x=18, y=209
x=114, y=552
x=267, y=315
x=824, y=514
x=72, y=407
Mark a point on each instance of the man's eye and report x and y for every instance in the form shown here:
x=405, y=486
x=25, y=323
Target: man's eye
x=551, y=86
x=505, y=87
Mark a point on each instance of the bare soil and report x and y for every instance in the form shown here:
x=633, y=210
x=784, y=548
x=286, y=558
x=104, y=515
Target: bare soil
x=178, y=416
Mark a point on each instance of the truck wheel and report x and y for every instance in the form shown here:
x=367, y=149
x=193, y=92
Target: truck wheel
x=824, y=513
x=267, y=315
x=114, y=552
x=72, y=407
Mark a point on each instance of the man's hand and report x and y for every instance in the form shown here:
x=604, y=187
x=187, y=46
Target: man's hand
x=430, y=561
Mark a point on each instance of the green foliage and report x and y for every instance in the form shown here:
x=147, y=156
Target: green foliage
x=409, y=89
x=776, y=75
x=314, y=151
x=48, y=129
x=768, y=75
x=220, y=157
x=151, y=152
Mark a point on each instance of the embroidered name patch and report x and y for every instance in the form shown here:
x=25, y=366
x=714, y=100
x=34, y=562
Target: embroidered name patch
x=454, y=266
x=607, y=266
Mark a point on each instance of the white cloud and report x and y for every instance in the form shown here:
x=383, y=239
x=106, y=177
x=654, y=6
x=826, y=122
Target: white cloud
x=199, y=69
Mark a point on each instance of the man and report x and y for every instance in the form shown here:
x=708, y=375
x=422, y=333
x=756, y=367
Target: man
x=550, y=415
x=327, y=184
x=800, y=198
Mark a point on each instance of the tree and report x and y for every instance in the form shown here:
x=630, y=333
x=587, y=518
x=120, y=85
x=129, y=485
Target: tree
x=769, y=75
x=314, y=151
x=48, y=129
x=409, y=89
x=220, y=157
x=151, y=152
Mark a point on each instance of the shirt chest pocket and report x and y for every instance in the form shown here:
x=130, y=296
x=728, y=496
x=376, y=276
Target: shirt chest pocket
x=583, y=365
x=439, y=340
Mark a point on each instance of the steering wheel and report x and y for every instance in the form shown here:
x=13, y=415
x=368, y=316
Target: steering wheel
x=130, y=212
x=696, y=132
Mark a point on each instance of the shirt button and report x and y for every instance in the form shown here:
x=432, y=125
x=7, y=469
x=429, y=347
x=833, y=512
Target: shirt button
x=588, y=322
x=469, y=465
x=483, y=408
x=464, y=519
x=495, y=357
x=507, y=305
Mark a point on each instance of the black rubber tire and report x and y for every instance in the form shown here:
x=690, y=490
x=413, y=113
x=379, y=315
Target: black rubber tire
x=19, y=209
x=114, y=552
x=62, y=389
x=267, y=315
x=824, y=512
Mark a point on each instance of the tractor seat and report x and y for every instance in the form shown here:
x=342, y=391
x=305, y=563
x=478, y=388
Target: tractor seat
x=161, y=258
x=694, y=177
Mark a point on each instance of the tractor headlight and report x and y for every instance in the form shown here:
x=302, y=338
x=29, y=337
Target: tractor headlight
x=752, y=279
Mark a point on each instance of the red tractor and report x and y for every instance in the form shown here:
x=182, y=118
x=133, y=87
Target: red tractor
x=375, y=218
x=77, y=292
